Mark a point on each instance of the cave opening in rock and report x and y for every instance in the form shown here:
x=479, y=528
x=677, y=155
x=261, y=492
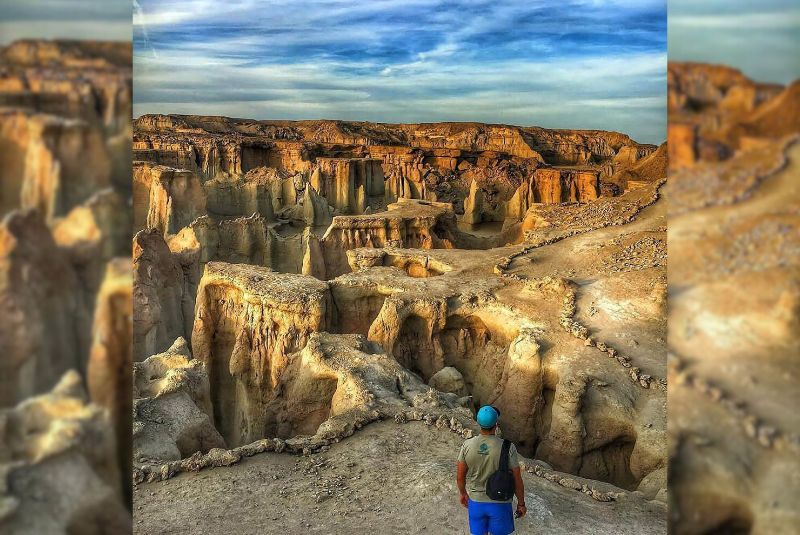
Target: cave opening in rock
x=611, y=462
x=258, y=155
x=470, y=347
x=414, y=348
x=738, y=523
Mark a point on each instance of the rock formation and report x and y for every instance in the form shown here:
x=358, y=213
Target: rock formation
x=406, y=224
x=59, y=465
x=715, y=110
x=248, y=320
x=48, y=321
x=65, y=188
x=162, y=294
x=110, y=359
x=174, y=198
x=346, y=273
x=172, y=407
x=360, y=166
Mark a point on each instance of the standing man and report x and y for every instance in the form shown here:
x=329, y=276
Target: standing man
x=478, y=459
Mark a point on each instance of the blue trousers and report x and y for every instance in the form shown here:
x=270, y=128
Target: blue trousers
x=486, y=517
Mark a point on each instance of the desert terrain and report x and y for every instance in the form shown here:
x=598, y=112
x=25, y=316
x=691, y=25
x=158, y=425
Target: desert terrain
x=65, y=287
x=734, y=192
x=321, y=306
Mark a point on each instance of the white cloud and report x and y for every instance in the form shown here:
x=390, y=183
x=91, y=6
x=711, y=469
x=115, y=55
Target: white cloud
x=790, y=19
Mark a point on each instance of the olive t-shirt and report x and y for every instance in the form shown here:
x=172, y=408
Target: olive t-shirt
x=482, y=455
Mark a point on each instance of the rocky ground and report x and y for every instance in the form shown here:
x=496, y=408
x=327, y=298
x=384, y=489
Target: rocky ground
x=733, y=305
x=368, y=483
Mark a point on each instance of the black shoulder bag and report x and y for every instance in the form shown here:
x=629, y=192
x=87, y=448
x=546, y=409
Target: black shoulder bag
x=500, y=485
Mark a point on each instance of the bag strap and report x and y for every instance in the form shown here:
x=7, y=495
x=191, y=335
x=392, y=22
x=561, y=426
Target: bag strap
x=504, y=454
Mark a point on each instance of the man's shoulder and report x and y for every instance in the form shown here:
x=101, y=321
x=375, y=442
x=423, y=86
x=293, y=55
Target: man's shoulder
x=471, y=441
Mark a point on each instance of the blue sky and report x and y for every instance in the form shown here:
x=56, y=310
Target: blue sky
x=69, y=19
x=758, y=37
x=570, y=64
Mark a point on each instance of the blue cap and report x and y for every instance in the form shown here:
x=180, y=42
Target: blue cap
x=487, y=417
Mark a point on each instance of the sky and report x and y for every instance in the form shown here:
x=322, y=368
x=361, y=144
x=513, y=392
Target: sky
x=760, y=38
x=108, y=20
x=558, y=64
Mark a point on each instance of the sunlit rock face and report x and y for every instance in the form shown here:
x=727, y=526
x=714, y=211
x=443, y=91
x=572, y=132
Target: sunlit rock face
x=59, y=465
x=64, y=190
x=357, y=167
x=65, y=287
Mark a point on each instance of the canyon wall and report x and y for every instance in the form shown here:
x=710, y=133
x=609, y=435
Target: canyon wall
x=65, y=190
x=248, y=320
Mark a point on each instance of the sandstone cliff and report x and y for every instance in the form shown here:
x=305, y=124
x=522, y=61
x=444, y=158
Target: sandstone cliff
x=248, y=320
x=65, y=170
x=47, y=323
x=165, y=198
x=715, y=110
x=50, y=164
x=410, y=305
x=361, y=166
x=162, y=294
x=407, y=224
x=108, y=373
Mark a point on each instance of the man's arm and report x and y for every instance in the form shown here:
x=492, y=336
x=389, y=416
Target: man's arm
x=519, y=491
x=461, y=481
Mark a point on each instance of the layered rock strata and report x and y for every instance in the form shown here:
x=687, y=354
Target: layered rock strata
x=247, y=321
x=65, y=170
x=409, y=307
x=406, y=224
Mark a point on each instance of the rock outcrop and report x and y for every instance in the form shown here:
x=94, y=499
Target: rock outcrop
x=172, y=407
x=163, y=295
x=108, y=373
x=59, y=465
x=407, y=224
x=358, y=167
x=47, y=321
x=715, y=110
x=65, y=186
x=247, y=321
x=165, y=198
x=50, y=164
x=401, y=314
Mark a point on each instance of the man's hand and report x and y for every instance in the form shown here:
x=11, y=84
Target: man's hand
x=521, y=510
x=464, y=499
